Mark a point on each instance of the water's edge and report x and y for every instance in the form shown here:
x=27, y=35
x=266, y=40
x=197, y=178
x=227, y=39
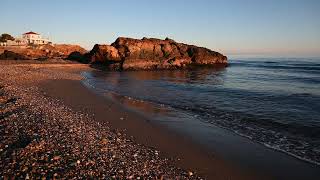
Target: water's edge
x=270, y=103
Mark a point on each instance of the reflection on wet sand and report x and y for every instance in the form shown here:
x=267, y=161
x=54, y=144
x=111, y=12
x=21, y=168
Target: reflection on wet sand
x=138, y=105
x=120, y=83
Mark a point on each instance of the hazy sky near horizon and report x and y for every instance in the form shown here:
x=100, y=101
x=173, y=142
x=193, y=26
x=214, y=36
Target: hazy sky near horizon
x=270, y=27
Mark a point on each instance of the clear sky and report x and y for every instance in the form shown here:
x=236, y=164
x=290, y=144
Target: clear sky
x=272, y=27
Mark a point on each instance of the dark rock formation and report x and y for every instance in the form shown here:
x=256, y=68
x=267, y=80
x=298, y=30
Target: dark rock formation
x=77, y=56
x=150, y=53
x=9, y=55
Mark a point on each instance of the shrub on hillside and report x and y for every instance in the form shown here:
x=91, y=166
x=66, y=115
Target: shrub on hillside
x=4, y=37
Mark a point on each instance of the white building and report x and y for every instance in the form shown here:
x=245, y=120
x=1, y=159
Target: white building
x=35, y=38
x=28, y=38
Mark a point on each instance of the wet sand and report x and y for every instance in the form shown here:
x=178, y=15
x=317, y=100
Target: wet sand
x=52, y=126
x=180, y=150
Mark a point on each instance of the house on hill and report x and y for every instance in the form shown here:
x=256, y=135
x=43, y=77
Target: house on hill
x=28, y=38
x=35, y=38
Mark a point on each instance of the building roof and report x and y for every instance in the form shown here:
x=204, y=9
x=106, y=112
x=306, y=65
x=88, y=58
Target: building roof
x=31, y=33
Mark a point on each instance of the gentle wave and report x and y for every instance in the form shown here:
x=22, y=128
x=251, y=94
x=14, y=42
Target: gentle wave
x=278, y=110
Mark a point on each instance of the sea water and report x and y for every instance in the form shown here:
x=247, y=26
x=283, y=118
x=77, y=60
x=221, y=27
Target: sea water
x=271, y=101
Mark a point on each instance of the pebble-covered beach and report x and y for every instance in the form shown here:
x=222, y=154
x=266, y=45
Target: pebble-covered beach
x=41, y=137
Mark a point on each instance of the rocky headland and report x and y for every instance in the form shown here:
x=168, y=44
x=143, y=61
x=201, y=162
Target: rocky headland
x=149, y=54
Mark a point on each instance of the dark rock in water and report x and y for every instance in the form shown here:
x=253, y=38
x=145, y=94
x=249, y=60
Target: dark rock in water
x=9, y=55
x=150, y=53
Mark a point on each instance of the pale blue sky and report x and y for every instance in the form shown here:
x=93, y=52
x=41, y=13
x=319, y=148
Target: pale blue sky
x=271, y=27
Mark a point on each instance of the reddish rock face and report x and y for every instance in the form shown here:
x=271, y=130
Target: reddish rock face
x=104, y=53
x=150, y=53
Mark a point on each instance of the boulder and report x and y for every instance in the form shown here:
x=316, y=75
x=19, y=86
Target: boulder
x=152, y=54
x=104, y=53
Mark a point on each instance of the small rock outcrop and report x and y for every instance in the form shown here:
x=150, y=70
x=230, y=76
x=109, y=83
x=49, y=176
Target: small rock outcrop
x=152, y=54
x=9, y=55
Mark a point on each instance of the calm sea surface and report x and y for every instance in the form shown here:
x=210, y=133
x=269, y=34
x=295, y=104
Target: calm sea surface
x=272, y=101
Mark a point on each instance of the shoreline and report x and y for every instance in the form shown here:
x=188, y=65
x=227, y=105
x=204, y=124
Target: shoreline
x=181, y=151
x=58, y=131
x=237, y=150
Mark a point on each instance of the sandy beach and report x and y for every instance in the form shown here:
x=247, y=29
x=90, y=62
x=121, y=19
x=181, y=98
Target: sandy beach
x=52, y=126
